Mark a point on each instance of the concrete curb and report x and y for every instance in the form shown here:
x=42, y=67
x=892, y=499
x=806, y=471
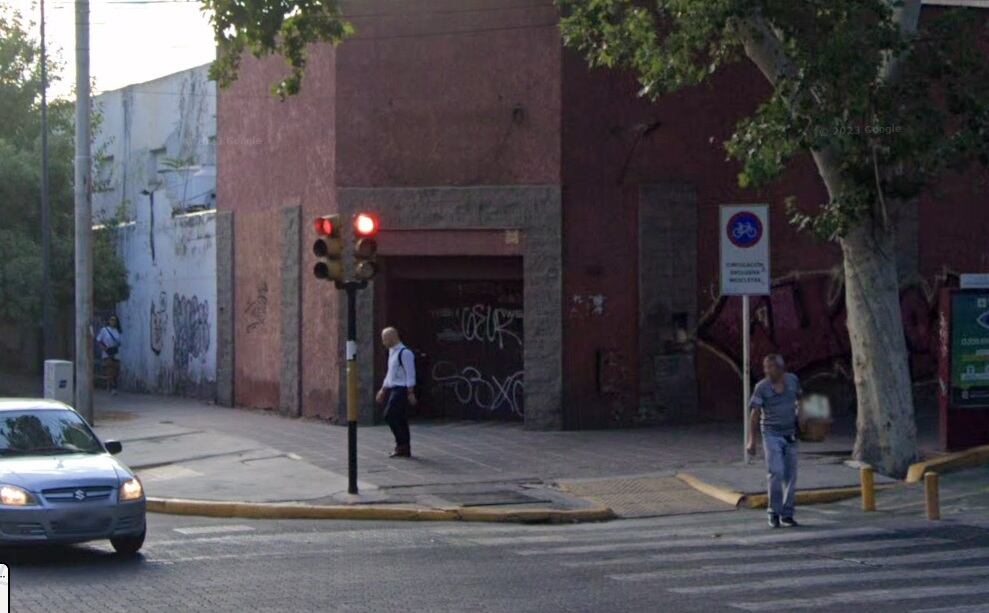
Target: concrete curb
x=949, y=462
x=287, y=510
x=723, y=494
x=758, y=500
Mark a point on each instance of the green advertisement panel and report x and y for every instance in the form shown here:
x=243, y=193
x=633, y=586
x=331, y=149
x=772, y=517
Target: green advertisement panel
x=970, y=349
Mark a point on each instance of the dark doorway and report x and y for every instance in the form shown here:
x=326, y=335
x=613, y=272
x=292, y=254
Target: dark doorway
x=463, y=316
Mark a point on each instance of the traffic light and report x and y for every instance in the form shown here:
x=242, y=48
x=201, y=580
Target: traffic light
x=329, y=249
x=365, y=247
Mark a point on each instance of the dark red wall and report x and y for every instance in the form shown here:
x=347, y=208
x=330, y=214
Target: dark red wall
x=606, y=158
x=449, y=92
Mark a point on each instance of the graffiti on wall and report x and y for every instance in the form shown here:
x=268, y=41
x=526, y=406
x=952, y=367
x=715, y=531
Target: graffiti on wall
x=483, y=323
x=476, y=330
x=804, y=319
x=257, y=308
x=159, y=322
x=190, y=317
x=486, y=392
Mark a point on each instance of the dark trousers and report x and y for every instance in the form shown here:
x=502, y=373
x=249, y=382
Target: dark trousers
x=397, y=415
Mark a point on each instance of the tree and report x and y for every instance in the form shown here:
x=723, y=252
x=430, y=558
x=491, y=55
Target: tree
x=263, y=28
x=883, y=102
x=20, y=171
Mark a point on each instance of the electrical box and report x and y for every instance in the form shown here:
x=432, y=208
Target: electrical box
x=59, y=381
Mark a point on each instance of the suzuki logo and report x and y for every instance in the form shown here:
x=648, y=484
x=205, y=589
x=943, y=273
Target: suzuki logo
x=79, y=495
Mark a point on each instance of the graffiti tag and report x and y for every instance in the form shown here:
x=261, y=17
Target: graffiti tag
x=257, y=309
x=486, y=392
x=159, y=322
x=190, y=317
x=489, y=324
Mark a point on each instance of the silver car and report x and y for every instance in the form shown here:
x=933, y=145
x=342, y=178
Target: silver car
x=60, y=484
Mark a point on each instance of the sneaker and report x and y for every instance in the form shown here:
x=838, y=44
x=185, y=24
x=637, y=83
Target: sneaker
x=774, y=521
x=789, y=522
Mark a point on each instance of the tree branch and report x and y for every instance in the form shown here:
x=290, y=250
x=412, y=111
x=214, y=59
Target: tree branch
x=906, y=17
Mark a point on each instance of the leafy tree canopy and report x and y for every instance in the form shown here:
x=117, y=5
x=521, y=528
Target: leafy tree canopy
x=20, y=189
x=896, y=105
x=272, y=27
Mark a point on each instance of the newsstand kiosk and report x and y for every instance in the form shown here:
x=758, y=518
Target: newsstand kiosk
x=963, y=372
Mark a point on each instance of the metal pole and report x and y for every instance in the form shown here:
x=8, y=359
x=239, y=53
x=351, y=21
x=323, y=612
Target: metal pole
x=83, y=223
x=746, y=380
x=47, y=307
x=868, y=480
x=351, y=388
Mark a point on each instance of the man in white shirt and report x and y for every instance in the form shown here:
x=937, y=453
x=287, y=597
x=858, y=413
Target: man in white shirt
x=397, y=392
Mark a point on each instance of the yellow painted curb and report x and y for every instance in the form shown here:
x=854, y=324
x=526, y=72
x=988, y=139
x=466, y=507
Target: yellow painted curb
x=282, y=510
x=759, y=500
x=725, y=495
x=949, y=462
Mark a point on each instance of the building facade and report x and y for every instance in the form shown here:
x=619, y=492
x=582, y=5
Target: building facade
x=155, y=184
x=549, y=239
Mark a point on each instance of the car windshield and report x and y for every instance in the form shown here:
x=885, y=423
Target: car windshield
x=45, y=432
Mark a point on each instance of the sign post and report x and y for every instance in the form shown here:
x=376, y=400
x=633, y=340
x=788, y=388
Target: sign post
x=744, y=238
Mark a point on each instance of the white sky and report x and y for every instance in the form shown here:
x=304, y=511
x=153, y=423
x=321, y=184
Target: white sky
x=131, y=41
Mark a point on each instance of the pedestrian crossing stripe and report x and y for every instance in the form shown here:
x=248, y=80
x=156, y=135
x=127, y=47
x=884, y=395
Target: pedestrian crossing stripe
x=784, y=566
x=765, y=539
x=863, y=596
x=859, y=576
x=726, y=554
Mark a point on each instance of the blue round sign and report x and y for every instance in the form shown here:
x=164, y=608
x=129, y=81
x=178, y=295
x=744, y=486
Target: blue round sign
x=744, y=229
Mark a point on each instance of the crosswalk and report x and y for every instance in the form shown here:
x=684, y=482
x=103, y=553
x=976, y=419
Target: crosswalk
x=733, y=562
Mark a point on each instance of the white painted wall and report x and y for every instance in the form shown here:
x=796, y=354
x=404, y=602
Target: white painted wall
x=169, y=321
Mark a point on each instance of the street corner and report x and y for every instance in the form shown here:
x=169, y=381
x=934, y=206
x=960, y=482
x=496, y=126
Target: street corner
x=648, y=495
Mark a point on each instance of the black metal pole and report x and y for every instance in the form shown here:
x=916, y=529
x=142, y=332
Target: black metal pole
x=351, y=388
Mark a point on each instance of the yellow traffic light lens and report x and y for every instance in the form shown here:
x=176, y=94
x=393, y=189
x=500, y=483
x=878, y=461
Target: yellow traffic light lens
x=366, y=248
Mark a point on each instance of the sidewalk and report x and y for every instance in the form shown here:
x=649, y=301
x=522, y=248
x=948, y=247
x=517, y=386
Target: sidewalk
x=192, y=450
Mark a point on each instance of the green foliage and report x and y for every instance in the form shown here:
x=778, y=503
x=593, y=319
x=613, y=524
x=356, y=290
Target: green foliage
x=272, y=27
x=893, y=132
x=20, y=189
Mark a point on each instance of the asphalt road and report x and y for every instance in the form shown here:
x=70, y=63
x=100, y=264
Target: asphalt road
x=725, y=561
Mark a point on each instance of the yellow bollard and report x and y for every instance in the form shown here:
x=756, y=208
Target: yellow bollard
x=931, y=496
x=867, y=478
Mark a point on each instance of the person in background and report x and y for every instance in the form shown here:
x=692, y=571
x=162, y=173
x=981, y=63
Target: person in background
x=774, y=408
x=397, y=392
x=109, y=339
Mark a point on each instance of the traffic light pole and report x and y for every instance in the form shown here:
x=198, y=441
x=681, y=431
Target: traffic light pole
x=351, y=288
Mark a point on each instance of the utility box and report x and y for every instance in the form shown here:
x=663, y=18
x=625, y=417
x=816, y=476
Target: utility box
x=59, y=381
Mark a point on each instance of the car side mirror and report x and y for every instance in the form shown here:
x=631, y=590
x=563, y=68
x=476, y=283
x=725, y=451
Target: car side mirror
x=114, y=447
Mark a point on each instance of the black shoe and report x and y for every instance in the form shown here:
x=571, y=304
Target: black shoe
x=774, y=521
x=789, y=522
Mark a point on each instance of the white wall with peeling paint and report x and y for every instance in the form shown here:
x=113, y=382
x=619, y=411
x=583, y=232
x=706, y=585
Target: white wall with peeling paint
x=159, y=137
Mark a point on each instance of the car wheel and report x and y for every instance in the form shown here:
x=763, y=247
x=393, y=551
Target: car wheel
x=128, y=545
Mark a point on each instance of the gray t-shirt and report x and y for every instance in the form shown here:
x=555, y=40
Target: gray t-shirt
x=779, y=411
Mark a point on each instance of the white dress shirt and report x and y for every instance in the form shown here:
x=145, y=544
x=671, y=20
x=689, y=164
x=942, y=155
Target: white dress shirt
x=401, y=367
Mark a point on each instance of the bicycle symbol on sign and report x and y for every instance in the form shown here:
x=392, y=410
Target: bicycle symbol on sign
x=744, y=229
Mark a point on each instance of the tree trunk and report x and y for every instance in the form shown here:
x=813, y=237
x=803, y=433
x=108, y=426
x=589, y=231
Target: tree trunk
x=887, y=433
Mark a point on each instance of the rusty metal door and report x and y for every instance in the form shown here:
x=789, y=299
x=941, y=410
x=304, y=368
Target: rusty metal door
x=470, y=333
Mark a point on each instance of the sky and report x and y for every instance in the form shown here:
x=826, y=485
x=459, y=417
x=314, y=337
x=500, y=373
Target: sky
x=131, y=41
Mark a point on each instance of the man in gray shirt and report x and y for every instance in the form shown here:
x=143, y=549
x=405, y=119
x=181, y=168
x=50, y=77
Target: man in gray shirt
x=774, y=407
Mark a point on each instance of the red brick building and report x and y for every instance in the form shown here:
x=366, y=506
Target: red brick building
x=549, y=239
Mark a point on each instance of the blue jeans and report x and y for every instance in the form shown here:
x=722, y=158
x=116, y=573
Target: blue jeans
x=781, y=466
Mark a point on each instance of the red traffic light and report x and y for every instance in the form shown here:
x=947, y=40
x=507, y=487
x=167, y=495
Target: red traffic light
x=365, y=224
x=325, y=225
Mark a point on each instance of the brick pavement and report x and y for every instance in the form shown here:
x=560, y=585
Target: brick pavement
x=459, y=452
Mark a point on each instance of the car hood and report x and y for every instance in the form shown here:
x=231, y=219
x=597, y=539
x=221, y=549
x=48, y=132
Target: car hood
x=38, y=473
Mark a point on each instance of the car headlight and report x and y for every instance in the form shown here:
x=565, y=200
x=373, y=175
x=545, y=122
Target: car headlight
x=131, y=490
x=14, y=496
